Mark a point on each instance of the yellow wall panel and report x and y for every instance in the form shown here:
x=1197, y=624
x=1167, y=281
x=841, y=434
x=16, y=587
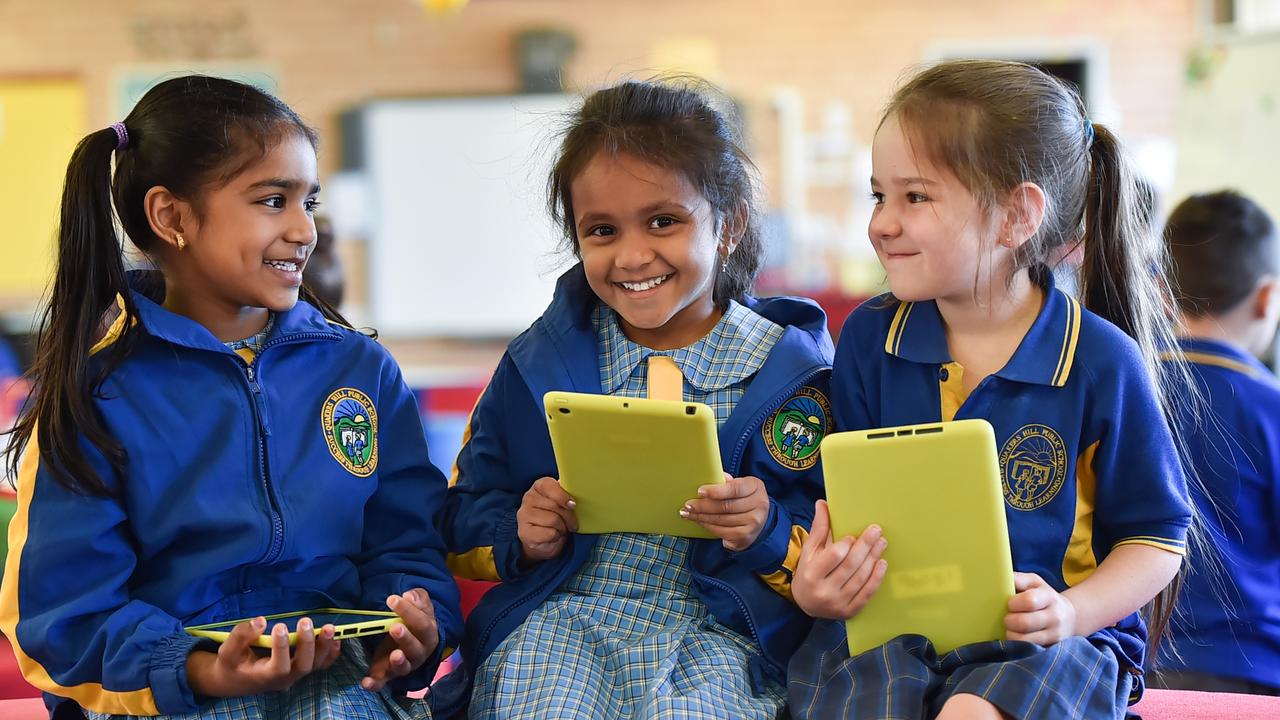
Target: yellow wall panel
x=41, y=120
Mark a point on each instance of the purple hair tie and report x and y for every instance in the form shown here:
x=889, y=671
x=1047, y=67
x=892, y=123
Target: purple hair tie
x=122, y=135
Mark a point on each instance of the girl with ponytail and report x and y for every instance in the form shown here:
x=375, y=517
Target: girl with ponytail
x=181, y=462
x=983, y=172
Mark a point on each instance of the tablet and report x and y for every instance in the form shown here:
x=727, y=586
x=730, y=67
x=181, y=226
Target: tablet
x=346, y=624
x=630, y=463
x=936, y=492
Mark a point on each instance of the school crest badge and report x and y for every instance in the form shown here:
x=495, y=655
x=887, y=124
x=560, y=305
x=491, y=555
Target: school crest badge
x=794, y=432
x=1033, y=463
x=350, y=424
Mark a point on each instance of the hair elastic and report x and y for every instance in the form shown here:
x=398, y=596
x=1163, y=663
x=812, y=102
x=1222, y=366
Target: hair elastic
x=122, y=135
x=1088, y=133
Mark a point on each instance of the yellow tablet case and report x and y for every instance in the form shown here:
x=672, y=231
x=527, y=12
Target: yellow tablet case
x=378, y=622
x=936, y=492
x=631, y=464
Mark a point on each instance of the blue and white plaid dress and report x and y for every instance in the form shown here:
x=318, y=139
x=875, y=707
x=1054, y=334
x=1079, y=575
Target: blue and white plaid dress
x=627, y=636
x=333, y=694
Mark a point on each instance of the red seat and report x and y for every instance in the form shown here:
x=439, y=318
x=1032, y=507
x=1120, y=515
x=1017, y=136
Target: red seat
x=23, y=709
x=12, y=684
x=1188, y=705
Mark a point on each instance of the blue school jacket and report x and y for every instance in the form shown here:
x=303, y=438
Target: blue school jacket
x=1086, y=455
x=1230, y=622
x=507, y=447
x=296, y=482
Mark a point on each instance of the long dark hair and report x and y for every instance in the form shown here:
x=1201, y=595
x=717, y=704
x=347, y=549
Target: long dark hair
x=672, y=123
x=998, y=124
x=186, y=134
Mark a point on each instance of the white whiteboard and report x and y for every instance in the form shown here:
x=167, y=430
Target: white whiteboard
x=1229, y=123
x=459, y=240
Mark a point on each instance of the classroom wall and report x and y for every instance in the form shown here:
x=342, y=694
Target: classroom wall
x=330, y=55
x=834, y=56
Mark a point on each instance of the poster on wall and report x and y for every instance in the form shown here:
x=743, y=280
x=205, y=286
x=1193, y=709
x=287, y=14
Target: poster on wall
x=133, y=81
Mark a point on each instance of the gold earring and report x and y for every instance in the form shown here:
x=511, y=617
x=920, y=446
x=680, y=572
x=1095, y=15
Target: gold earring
x=182, y=242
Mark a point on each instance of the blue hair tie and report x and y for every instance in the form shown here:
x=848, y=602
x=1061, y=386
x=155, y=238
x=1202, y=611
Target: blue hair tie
x=1088, y=133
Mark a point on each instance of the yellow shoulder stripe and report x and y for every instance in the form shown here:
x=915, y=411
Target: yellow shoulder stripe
x=475, y=564
x=1165, y=544
x=115, y=330
x=1079, y=561
x=780, y=580
x=1201, y=358
x=893, y=341
x=91, y=696
x=466, y=435
x=1070, y=338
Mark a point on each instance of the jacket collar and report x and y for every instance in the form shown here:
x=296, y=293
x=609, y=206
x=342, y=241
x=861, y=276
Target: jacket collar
x=301, y=320
x=559, y=351
x=1044, y=357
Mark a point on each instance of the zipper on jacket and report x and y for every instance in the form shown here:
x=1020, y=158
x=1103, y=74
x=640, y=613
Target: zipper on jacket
x=510, y=608
x=746, y=612
x=735, y=462
x=264, y=468
x=252, y=374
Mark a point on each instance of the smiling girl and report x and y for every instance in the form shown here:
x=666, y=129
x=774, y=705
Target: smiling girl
x=983, y=171
x=657, y=201
x=188, y=467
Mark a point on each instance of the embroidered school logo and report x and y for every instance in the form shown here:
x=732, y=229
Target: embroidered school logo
x=794, y=432
x=1034, y=464
x=351, y=430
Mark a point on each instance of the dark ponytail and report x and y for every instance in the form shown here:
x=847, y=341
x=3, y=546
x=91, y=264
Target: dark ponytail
x=185, y=134
x=1121, y=278
x=1124, y=279
x=90, y=275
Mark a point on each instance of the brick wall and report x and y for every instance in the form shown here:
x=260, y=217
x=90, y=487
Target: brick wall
x=332, y=54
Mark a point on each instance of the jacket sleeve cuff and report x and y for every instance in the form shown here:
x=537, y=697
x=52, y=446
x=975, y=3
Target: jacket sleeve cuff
x=769, y=550
x=506, y=546
x=167, y=675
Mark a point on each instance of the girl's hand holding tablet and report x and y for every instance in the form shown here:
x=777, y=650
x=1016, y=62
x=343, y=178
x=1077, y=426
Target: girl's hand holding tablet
x=734, y=511
x=237, y=669
x=409, y=645
x=544, y=520
x=834, y=580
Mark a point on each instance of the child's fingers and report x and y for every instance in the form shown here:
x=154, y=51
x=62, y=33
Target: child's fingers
x=328, y=648
x=236, y=647
x=540, y=535
x=539, y=517
x=539, y=508
x=858, y=565
x=1026, y=623
x=708, y=507
x=379, y=667
x=1025, y=581
x=304, y=653
x=819, y=534
x=731, y=488
x=278, y=664
x=550, y=489
x=824, y=563
x=725, y=520
x=1044, y=636
x=868, y=589
x=411, y=652
x=1040, y=628
x=1031, y=600
x=419, y=621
